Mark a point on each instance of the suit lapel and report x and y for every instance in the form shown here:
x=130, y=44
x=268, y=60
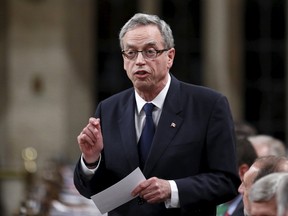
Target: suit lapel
x=126, y=126
x=169, y=123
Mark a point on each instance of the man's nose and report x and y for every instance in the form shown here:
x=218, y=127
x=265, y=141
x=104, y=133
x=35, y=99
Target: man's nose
x=240, y=189
x=140, y=58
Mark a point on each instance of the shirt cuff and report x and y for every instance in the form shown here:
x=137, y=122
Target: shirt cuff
x=87, y=171
x=174, y=201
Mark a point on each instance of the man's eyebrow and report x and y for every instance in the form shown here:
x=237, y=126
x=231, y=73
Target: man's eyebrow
x=150, y=43
x=128, y=46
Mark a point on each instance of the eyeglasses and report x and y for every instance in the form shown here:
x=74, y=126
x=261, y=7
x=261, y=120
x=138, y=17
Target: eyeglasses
x=147, y=53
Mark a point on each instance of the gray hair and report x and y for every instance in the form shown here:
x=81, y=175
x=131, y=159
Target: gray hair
x=265, y=188
x=282, y=197
x=141, y=19
x=275, y=146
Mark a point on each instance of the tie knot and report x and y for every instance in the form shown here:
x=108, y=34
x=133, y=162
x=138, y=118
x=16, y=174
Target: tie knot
x=148, y=107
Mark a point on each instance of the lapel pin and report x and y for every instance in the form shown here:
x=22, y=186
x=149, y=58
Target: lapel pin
x=173, y=125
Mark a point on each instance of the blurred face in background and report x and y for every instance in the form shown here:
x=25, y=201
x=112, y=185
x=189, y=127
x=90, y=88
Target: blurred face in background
x=267, y=208
x=245, y=187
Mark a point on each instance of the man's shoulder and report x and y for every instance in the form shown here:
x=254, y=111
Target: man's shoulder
x=194, y=89
x=199, y=91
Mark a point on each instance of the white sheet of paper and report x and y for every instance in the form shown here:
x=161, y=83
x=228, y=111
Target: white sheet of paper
x=118, y=193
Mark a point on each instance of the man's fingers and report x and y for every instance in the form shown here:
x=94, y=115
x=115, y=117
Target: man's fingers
x=139, y=188
x=153, y=190
x=91, y=131
x=94, y=121
x=85, y=139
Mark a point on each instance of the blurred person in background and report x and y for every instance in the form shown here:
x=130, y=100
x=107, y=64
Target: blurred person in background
x=263, y=194
x=261, y=167
x=244, y=129
x=267, y=145
x=282, y=197
x=246, y=156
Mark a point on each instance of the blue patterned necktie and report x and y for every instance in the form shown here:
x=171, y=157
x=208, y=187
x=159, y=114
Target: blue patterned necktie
x=147, y=135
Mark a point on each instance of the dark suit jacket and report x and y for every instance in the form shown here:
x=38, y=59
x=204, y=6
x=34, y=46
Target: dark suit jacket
x=239, y=211
x=199, y=153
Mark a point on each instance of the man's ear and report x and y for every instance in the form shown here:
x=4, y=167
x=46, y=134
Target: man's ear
x=171, y=55
x=243, y=168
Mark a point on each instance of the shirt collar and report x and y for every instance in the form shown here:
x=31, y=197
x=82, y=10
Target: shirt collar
x=234, y=203
x=158, y=101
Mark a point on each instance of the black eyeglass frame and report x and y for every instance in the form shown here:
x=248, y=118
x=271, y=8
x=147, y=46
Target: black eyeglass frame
x=144, y=53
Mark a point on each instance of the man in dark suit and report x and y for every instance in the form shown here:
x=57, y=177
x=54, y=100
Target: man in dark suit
x=191, y=165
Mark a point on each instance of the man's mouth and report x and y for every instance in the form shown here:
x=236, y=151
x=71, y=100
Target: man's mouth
x=141, y=72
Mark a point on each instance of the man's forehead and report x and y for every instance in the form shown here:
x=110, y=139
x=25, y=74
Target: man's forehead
x=254, y=168
x=251, y=172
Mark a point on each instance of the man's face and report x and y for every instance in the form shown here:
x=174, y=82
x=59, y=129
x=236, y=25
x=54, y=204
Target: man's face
x=147, y=75
x=245, y=187
x=267, y=208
